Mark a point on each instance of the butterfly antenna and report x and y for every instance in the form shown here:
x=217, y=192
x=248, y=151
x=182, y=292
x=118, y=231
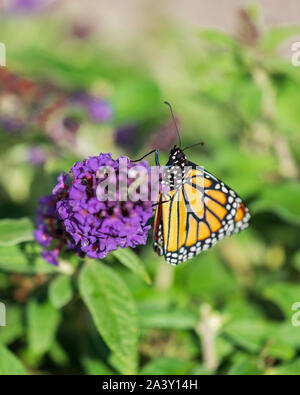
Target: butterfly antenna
x=194, y=145
x=174, y=120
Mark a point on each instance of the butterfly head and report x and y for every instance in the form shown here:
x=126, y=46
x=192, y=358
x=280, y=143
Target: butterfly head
x=177, y=157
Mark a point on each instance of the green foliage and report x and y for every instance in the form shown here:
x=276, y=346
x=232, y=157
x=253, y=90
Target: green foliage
x=60, y=291
x=243, y=365
x=95, y=367
x=43, y=320
x=113, y=310
x=15, y=231
x=282, y=201
x=14, y=328
x=22, y=260
x=167, y=365
x=9, y=363
x=284, y=295
x=287, y=369
x=136, y=100
x=155, y=315
x=131, y=260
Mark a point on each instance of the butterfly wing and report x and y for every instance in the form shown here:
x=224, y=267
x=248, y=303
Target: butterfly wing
x=158, y=245
x=195, y=216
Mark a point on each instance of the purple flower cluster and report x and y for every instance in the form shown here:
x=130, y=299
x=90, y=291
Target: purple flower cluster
x=126, y=136
x=97, y=109
x=75, y=219
x=28, y=6
x=50, y=232
x=38, y=106
x=36, y=155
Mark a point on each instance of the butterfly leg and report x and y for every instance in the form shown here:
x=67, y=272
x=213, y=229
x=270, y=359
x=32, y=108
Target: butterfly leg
x=149, y=153
x=164, y=201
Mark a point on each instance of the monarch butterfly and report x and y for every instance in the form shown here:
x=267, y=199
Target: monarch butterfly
x=198, y=211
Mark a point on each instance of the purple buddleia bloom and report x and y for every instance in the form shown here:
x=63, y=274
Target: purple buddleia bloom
x=165, y=136
x=62, y=183
x=28, y=6
x=71, y=124
x=11, y=125
x=126, y=136
x=98, y=109
x=75, y=216
x=99, y=227
x=50, y=232
x=51, y=256
x=36, y=155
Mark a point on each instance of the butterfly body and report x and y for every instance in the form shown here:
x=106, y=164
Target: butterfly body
x=198, y=210
x=175, y=169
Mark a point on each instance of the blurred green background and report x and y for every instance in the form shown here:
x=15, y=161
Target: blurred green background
x=89, y=77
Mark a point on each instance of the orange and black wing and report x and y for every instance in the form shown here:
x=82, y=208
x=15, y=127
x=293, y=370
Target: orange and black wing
x=195, y=216
x=158, y=241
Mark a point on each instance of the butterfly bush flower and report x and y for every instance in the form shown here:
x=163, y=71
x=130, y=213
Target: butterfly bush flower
x=36, y=155
x=26, y=106
x=75, y=217
x=50, y=232
x=28, y=6
x=165, y=136
x=97, y=109
x=126, y=136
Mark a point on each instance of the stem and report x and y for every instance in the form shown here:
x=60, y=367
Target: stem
x=287, y=164
x=207, y=329
x=164, y=277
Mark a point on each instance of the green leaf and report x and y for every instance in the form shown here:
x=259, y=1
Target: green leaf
x=128, y=104
x=14, y=325
x=14, y=259
x=272, y=38
x=156, y=316
x=9, y=363
x=206, y=278
x=237, y=309
x=296, y=260
x=249, y=99
x=281, y=199
x=94, y=366
x=60, y=291
x=243, y=365
x=284, y=295
x=113, y=310
x=245, y=171
x=133, y=262
x=280, y=349
x=167, y=365
x=217, y=37
x=201, y=370
x=250, y=334
x=58, y=354
x=15, y=231
x=223, y=347
x=283, y=340
x=43, y=320
x=292, y=368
